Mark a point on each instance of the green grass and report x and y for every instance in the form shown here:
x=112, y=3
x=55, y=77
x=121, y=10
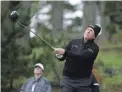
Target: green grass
x=112, y=46
x=111, y=58
x=115, y=80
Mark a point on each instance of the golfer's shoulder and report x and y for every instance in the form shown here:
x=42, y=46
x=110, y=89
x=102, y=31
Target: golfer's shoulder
x=95, y=46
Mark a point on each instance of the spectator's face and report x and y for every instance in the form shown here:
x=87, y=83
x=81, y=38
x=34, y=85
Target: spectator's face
x=89, y=34
x=38, y=70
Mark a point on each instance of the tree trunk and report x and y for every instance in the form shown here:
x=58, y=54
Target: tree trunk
x=57, y=16
x=104, y=21
x=89, y=13
x=11, y=84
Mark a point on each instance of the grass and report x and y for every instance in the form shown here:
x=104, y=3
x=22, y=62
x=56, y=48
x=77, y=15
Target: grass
x=111, y=58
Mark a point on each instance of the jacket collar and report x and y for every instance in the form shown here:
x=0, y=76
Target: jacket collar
x=38, y=78
x=88, y=42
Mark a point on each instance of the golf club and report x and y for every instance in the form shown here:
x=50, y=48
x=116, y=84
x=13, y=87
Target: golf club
x=14, y=16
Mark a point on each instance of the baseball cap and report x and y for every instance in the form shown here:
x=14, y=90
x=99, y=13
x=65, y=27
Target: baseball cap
x=39, y=65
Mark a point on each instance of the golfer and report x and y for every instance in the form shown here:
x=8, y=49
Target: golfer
x=80, y=55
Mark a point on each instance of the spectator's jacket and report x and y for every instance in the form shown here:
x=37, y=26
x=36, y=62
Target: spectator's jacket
x=41, y=85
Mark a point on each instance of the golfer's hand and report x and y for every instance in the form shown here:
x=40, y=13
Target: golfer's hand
x=60, y=51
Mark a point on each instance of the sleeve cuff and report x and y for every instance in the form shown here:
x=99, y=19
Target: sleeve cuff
x=65, y=53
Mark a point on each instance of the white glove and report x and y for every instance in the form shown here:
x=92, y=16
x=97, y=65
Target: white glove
x=59, y=56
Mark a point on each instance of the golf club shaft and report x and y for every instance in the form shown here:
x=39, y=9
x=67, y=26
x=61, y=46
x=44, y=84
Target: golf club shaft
x=36, y=35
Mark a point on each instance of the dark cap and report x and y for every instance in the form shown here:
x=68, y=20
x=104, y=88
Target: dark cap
x=96, y=29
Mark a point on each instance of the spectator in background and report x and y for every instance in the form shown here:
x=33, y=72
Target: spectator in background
x=38, y=83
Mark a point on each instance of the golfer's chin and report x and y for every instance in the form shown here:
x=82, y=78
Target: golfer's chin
x=86, y=38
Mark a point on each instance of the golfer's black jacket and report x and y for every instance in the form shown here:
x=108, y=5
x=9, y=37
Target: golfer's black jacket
x=79, y=57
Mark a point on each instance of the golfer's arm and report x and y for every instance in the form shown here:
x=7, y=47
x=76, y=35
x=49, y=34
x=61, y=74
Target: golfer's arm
x=87, y=53
x=66, y=48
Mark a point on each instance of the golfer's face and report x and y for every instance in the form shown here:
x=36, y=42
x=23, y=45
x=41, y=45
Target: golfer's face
x=38, y=70
x=89, y=33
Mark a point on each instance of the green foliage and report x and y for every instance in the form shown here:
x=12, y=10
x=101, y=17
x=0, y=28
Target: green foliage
x=13, y=48
x=20, y=53
x=113, y=21
x=109, y=68
x=109, y=7
x=111, y=29
x=44, y=54
x=111, y=59
x=117, y=38
x=115, y=80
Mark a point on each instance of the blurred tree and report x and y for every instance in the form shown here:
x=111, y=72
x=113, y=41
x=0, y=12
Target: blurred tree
x=14, y=43
x=41, y=51
x=111, y=30
x=104, y=21
x=113, y=11
x=110, y=18
x=57, y=16
x=89, y=13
